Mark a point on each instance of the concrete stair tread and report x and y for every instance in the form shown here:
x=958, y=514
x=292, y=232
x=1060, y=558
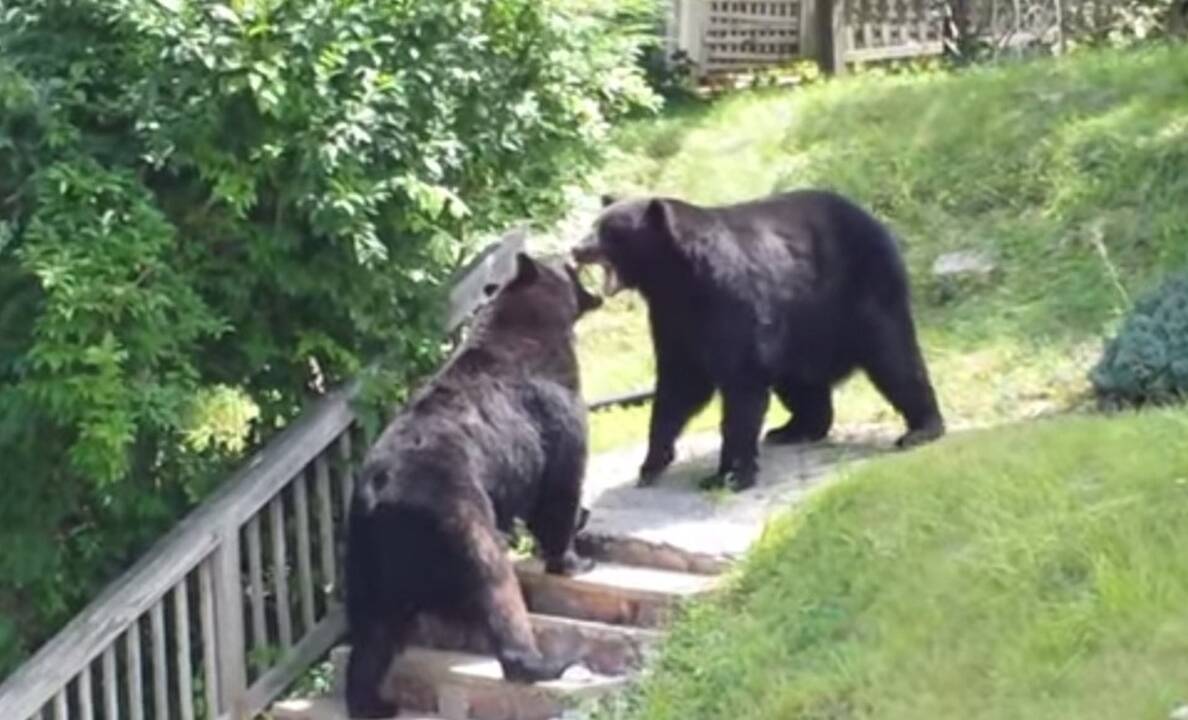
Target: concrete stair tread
x=467, y=668
x=325, y=708
x=625, y=580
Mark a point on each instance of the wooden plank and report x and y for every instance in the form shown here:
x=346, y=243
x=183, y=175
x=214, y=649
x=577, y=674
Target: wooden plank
x=325, y=527
x=305, y=581
x=736, y=56
x=635, y=397
x=809, y=40
x=184, y=667
x=86, y=695
x=232, y=647
x=347, y=479
x=255, y=554
x=494, y=266
x=897, y=52
x=160, y=681
x=111, y=685
x=206, y=624
x=325, y=634
x=280, y=571
x=61, y=706
x=744, y=18
x=135, y=670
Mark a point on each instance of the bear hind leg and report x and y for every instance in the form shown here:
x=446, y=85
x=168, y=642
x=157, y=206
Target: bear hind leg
x=896, y=366
x=811, y=406
x=372, y=649
x=743, y=409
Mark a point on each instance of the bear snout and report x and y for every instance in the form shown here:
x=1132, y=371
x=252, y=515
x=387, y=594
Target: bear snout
x=588, y=252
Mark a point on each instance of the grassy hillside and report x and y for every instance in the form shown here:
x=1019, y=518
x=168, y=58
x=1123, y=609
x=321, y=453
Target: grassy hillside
x=1072, y=175
x=1033, y=572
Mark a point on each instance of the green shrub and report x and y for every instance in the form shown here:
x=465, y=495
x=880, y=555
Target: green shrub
x=1147, y=363
x=208, y=211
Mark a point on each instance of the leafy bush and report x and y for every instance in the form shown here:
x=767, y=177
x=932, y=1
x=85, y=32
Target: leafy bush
x=1147, y=363
x=209, y=211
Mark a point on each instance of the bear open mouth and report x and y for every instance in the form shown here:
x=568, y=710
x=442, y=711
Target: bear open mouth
x=588, y=253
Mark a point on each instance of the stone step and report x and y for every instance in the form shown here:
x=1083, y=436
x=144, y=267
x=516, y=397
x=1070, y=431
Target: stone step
x=625, y=550
x=456, y=686
x=325, y=708
x=603, y=648
x=611, y=593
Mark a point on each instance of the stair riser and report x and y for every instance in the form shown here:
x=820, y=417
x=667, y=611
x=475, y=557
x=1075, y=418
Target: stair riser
x=632, y=551
x=598, y=606
x=606, y=651
x=459, y=703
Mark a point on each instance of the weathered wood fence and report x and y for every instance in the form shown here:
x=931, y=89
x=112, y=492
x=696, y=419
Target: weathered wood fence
x=236, y=602
x=730, y=36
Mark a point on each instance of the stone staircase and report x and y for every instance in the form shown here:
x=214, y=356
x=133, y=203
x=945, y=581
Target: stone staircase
x=609, y=618
x=655, y=546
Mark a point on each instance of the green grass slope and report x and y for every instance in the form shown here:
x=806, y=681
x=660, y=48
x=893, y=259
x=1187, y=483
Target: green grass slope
x=1072, y=174
x=1035, y=572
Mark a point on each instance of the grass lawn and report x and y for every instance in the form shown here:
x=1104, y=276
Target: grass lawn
x=1072, y=174
x=1033, y=572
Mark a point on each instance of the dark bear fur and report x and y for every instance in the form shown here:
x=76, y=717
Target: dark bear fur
x=498, y=434
x=792, y=292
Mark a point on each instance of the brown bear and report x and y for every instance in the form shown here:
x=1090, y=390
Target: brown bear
x=498, y=434
x=792, y=292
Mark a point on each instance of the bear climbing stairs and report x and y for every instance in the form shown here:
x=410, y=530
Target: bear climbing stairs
x=608, y=618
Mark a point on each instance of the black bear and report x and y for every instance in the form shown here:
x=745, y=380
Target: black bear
x=498, y=434
x=792, y=292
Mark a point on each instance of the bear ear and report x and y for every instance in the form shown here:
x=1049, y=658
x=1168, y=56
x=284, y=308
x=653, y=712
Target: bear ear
x=608, y=200
x=658, y=216
x=526, y=270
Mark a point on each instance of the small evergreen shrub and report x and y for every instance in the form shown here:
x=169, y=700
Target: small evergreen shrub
x=1147, y=363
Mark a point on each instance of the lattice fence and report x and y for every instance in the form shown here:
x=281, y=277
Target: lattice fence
x=893, y=29
x=742, y=36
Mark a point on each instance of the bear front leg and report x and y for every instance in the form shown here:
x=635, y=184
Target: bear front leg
x=681, y=391
x=558, y=515
x=743, y=408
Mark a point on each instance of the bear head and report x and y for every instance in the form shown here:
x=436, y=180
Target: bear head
x=632, y=239
x=542, y=293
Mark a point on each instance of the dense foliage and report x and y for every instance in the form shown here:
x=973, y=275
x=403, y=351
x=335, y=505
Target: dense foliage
x=208, y=211
x=1147, y=363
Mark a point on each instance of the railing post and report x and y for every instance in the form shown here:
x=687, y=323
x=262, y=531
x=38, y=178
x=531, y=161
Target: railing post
x=809, y=40
x=228, y=589
x=831, y=35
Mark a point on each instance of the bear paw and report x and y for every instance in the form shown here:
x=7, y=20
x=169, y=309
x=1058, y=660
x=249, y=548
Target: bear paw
x=371, y=708
x=569, y=564
x=791, y=434
x=654, y=465
x=921, y=435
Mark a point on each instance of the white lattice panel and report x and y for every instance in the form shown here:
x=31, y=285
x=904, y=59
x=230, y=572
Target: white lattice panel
x=744, y=35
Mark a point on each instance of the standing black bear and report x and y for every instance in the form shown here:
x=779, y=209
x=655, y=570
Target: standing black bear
x=791, y=292
x=498, y=434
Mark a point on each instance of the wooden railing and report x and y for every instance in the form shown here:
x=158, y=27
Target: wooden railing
x=236, y=602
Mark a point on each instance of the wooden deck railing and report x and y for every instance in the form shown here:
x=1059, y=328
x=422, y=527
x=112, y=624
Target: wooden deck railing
x=240, y=598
